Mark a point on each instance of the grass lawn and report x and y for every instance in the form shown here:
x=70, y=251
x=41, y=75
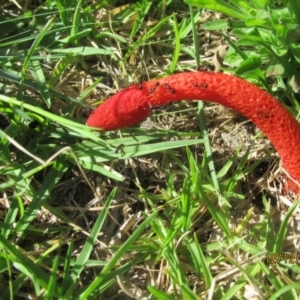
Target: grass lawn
x=190, y=203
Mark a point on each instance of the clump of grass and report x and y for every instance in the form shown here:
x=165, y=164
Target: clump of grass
x=159, y=211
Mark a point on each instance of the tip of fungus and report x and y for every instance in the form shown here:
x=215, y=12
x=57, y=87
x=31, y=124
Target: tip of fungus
x=114, y=120
x=124, y=109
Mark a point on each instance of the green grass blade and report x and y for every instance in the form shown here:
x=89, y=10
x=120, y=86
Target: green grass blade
x=54, y=175
x=94, y=285
x=53, y=280
x=76, y=20
x=284, y=227
x=174, y=63
x=20, y=258
x=220, y=6
x=37, y=73
x=89, y=245
x=34, y=46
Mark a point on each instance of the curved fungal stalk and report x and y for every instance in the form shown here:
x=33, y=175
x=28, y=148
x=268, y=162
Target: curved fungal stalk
x=134, y=104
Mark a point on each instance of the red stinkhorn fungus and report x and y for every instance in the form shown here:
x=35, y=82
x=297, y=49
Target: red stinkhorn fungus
x=133, y=104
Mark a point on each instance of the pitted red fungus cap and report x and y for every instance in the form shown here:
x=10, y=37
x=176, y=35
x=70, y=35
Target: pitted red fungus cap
x=134, y=104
